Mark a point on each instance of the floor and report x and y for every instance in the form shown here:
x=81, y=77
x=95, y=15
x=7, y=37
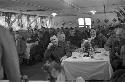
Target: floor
x=35, y=72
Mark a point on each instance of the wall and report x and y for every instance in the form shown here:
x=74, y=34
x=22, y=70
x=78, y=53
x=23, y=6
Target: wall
x=102, y=17
x=72, y=21
x=68, y=21
x=64, y=21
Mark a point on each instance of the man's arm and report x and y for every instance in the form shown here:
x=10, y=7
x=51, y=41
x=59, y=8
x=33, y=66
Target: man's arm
x=47, y=53
x=108, y=43
x=103, y=38
x=10, y=57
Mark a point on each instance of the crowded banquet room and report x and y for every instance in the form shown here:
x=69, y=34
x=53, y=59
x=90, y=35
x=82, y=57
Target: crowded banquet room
x=62, y=40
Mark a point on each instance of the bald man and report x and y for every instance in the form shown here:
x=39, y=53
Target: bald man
x=9, y=62
x=115, y=44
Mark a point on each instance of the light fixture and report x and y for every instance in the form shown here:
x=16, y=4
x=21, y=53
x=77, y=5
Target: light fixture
x=93, y=12
x=54, y=14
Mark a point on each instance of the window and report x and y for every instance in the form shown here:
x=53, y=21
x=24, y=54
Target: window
x=88, y=22
x=84, y=21
x=81, y=22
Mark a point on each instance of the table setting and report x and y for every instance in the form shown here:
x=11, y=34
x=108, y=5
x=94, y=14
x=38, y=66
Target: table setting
x=95, y=66
x=98, y=54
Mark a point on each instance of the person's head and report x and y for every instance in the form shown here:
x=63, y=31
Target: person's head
x=61, y=37
x=54, y=40
x=93, y=33
x=72, y=32
x=120, y=33
x=80, y=29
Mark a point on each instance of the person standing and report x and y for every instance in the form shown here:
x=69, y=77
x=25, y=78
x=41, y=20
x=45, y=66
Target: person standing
x=9, y=62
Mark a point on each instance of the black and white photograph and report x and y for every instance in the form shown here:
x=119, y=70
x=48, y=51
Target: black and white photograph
x=62, y=40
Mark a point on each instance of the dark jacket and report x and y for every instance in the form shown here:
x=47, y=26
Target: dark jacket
x=99, y=41
x=55, y=53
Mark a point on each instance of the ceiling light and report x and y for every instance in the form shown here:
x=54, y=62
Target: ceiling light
x=93, y=11
x=54, y=14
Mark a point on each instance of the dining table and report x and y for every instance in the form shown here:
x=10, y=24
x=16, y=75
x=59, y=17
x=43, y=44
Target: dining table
x=97, y=67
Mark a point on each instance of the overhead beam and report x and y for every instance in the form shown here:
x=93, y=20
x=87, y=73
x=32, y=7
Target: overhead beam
x=122, y=9
x=33, y=20
x=11, y=22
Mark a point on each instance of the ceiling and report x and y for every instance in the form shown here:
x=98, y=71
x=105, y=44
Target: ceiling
x=62, y=7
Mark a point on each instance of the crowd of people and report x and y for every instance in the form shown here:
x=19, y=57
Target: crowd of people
x=51, y=46
x=41, y=39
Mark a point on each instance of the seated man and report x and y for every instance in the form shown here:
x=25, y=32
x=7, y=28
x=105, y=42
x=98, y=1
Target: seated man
x=115, y=44
x=56, y=52
x=62, y=38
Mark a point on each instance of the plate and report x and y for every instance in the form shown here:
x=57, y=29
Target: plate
x=86, y=58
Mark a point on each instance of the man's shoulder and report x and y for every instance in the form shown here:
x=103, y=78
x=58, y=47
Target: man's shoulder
x=4, y=32
x=2, y=29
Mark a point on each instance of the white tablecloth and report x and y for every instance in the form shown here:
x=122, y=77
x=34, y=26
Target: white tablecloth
x=89, y=69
